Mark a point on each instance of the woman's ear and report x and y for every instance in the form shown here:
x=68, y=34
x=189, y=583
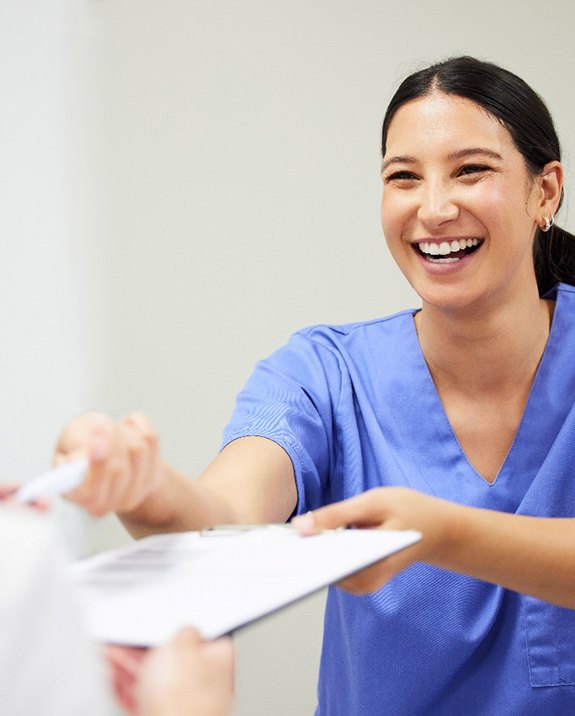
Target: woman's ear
x=550, y=181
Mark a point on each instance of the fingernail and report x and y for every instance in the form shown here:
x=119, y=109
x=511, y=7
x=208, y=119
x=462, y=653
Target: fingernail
x=99, y=450
x=305, y=523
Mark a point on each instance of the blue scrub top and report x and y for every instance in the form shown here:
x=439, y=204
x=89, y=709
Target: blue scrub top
x=355, y=407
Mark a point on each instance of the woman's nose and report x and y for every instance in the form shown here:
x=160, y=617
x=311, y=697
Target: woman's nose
x=437, y=206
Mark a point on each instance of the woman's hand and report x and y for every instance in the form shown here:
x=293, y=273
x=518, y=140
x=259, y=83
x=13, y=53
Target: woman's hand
x=392, y=508
x=124, y=457
x=187, y=676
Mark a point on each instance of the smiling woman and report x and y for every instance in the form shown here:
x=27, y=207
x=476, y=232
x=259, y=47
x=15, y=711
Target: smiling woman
x=520, y=118
x=459, y=412
x=466, y=184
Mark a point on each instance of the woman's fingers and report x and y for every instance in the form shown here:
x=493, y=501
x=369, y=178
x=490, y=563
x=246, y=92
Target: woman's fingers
x=78, y=436
x=380, y=508
x=124, y=461
x=144, y=457
x=367, y=510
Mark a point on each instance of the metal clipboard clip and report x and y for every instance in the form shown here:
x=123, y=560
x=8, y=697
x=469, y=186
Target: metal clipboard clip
x=231, y=530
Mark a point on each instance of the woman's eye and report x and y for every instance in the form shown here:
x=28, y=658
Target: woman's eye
x=400, y=176
x=473, y=169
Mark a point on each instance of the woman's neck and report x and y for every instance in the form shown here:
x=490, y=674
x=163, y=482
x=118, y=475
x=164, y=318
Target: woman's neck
x=485, y=352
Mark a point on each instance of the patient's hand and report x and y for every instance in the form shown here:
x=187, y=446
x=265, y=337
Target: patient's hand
x=7, y=497
x=188, y=676
x=184, y=676
x=125, y=664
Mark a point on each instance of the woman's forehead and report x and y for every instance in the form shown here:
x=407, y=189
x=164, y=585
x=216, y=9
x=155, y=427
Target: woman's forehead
x=446, y=123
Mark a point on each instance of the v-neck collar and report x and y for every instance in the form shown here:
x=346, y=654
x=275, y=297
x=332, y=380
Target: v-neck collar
x=437, y=450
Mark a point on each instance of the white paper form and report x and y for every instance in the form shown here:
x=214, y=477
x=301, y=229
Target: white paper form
x=217, y=581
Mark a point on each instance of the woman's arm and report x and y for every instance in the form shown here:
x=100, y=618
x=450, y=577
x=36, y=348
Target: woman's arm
x=251, y=480
x=532, y=555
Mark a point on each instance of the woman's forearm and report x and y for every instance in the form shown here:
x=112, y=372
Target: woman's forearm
x=250, y=481
x=178, y=504
x=532, y=555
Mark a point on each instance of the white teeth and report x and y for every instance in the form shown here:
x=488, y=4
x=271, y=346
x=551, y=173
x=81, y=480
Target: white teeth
x=444, y=248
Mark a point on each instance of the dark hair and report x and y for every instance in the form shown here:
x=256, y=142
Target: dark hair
x=524, y=114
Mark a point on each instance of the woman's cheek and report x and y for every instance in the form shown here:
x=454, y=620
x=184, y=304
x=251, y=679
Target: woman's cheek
x=395, y=215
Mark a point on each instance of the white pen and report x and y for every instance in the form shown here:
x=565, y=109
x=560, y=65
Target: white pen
x=54, y=482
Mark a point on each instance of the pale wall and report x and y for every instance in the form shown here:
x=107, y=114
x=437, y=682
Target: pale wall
x=227, y=159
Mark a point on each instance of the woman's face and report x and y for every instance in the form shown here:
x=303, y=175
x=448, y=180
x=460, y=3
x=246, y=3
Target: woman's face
x=459, y=207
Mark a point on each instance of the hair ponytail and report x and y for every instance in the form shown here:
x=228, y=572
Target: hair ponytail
x=554, y=258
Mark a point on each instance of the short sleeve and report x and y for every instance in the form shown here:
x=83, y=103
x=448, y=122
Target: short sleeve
x=290, y=399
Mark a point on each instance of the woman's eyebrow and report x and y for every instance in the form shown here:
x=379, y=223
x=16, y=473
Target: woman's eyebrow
x=473, y=151
x=405, y=159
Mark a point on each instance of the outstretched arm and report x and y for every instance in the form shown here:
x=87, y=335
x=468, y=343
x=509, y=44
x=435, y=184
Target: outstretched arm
x=251, y=480
x=532, y=555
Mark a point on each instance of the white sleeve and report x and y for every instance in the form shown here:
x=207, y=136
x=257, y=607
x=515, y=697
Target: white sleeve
x=48, y=665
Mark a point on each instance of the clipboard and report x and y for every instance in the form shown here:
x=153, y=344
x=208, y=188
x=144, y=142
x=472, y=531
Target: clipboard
x=217, y=580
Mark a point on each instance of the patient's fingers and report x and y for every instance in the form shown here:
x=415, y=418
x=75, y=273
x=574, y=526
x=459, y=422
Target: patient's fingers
x=124, y=664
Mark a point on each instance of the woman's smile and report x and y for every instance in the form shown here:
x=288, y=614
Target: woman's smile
x=448, y=249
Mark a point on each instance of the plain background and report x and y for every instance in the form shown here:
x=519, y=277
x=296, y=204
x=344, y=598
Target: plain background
x=184, y=183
